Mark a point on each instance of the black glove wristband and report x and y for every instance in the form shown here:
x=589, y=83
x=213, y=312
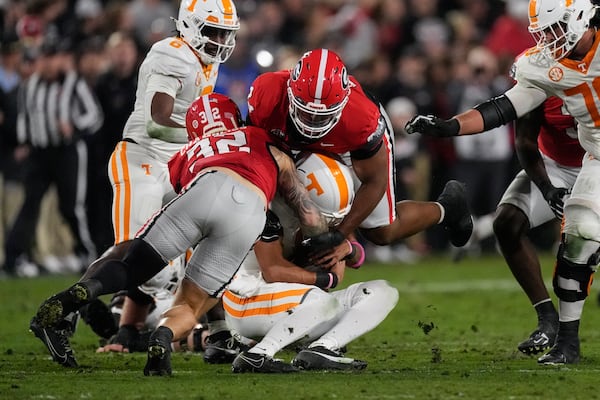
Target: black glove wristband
x=430, y=125
x=449, y=128
x=326, y=280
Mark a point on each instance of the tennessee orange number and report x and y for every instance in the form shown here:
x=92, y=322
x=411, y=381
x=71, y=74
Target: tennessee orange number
x=585, y=90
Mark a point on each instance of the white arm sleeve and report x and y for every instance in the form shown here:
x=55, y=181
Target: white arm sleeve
x=525, y=98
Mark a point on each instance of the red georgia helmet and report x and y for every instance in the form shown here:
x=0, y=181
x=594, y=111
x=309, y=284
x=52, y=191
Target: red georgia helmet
x=318, y=90
x=213, y=112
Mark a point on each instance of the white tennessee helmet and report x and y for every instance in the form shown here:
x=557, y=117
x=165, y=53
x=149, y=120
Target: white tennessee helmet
x=209, y=27
x=557, y=25
x=329, y=184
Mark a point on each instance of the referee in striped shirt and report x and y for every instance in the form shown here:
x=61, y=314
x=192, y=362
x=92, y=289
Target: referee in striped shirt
x=56, y=109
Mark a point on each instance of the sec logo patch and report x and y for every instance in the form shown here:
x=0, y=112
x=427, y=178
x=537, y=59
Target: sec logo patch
x=555, y=74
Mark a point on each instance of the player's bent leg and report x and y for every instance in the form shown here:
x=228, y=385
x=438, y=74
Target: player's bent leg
x=413, y=217
x=577, y=260
x=115, y=252
x=317, y=313
x=510, y=227
x=572, y=282
x=190, y=303
x=366, y=305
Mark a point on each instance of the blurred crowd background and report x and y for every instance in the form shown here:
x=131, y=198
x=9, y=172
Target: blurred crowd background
x=416, y=56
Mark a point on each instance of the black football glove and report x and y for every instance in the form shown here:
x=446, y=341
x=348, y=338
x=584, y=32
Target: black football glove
x=555, y=197
x=431, y=125
x=324, y=241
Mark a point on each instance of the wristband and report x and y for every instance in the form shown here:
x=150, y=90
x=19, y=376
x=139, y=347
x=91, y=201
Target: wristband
x=352, y=253
x=357, y=247
x=326, y=280
x=169, y=134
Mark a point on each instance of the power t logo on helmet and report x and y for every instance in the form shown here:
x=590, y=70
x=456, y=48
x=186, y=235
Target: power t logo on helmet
x=209, y=27
x=318, y=90
x=329, y=184
x=557, y=25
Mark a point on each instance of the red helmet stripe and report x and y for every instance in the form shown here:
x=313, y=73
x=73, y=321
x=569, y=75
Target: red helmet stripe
x=321, y=76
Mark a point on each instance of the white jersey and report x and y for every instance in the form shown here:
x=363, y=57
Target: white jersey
x=576, y=82
x=248, y=279
x=170, y=67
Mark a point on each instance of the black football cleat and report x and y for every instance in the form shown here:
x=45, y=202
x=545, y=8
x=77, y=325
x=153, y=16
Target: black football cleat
x=253, y=362
x=54, y=309
x=222, y=348
x=56, y=341
x=321, y=358
x=458, y=221
x=540, y=340
x=159, y=360
x=564, y=351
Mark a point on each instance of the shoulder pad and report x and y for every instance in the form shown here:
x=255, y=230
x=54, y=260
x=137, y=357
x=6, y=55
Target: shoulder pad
x=173, y=58
x=267, y=90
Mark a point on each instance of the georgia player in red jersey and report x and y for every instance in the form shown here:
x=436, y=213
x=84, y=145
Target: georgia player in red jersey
x=220, y=211
x=319, y=107
x=550, y=154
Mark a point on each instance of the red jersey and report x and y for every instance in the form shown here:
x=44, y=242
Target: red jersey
x=360, y=129
x=558, y=135
x=244, y=151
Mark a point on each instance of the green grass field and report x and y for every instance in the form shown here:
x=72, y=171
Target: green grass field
x=475, y=309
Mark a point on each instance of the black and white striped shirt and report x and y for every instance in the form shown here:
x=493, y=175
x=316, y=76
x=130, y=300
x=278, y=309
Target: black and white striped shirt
x=43, y=104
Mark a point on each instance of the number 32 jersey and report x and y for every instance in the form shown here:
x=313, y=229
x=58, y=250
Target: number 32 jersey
x=244, y=151
x=576, y=82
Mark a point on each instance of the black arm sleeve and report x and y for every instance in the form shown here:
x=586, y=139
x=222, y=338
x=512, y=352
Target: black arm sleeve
x=273, y=229
x=496, y=112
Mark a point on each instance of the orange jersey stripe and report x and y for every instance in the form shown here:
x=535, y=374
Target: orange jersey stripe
x=264, y=297
x=259, y=311
x=122, y=200
x=117, y=195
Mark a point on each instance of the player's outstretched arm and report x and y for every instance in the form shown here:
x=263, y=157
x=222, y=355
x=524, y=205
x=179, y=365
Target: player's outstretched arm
x=483, y=117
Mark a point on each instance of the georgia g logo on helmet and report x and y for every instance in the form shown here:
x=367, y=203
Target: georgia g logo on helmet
x=296, y=71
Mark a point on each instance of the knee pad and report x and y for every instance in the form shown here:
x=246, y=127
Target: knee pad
x=579, y=249
x=582, y=222
x=329, y=306
x=378, y=288
x=571, y=281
